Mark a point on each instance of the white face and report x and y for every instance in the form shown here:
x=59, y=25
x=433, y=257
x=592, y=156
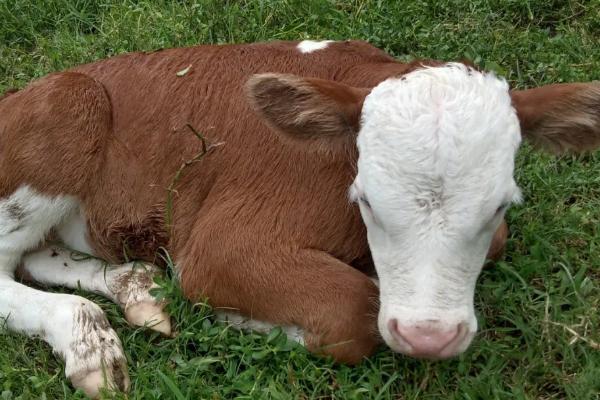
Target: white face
x=435, y=176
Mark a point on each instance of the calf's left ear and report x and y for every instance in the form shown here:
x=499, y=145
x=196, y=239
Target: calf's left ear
x=561, y=117
x=307, y=108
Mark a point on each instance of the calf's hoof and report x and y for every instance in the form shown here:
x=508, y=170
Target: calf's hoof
x=94, y=357
x=92, y=382
x=132, y=284
x=149, y=314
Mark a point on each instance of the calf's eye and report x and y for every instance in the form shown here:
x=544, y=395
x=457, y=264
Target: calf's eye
x=364, y=200
x=502, y=208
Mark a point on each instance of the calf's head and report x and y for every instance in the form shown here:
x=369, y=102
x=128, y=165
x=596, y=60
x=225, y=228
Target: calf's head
x=435, y=177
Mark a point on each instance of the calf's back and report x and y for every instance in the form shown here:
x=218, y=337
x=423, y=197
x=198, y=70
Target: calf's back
x=285, y=192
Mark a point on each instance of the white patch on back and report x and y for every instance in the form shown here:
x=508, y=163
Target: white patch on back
x=308, y=46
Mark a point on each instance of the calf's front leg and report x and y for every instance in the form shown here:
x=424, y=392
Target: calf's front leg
x=128, y=285
x=334, y=304
x=76, y=328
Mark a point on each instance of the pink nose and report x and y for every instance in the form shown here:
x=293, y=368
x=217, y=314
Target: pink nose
x=429, y=339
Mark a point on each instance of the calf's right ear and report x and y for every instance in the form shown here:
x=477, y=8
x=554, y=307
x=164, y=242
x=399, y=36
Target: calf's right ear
x=561, y=117
x=307, y=108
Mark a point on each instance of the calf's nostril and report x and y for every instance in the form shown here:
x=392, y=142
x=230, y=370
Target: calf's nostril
x=426, y=339
x=393, y=326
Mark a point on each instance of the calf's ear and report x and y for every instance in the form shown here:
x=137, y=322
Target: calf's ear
x=307, y=108
x=562, y=117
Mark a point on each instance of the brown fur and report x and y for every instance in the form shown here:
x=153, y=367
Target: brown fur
x=562, y=117
x=8, y=93
x=496, y=250
x=260, y=225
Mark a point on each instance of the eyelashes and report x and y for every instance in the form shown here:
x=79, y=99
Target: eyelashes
x=365, y=202
x=356, y=195
x=502, y=208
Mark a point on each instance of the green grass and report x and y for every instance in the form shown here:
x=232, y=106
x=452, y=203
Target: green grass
x=536, y=309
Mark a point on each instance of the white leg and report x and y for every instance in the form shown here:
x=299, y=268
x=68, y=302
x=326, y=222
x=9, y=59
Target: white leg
x=242, y=323
x=76, y=328
x=128, y=285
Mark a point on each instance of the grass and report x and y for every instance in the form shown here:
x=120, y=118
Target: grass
x=539, y=309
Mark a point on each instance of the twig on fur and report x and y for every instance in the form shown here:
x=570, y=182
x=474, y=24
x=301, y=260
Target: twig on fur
x=206, y=147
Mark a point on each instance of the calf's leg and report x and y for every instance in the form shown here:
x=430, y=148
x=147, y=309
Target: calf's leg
x=333, y=304
x=240, y=322
x=128, y=285
x=74, y=327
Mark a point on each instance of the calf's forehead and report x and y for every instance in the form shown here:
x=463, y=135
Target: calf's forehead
x=440, y=125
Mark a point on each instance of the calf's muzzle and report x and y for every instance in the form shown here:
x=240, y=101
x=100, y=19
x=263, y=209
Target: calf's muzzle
x=428, y=339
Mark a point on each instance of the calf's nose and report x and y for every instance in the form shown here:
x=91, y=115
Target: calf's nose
x=428, y=339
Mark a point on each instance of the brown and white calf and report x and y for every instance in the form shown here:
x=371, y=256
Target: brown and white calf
x=264, y=223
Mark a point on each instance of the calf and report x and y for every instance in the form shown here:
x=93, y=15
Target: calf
x=107, y=156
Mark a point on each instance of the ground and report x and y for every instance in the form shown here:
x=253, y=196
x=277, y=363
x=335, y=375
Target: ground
x=538, y=309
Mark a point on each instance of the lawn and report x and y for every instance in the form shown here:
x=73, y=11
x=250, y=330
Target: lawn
x=539, y=309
